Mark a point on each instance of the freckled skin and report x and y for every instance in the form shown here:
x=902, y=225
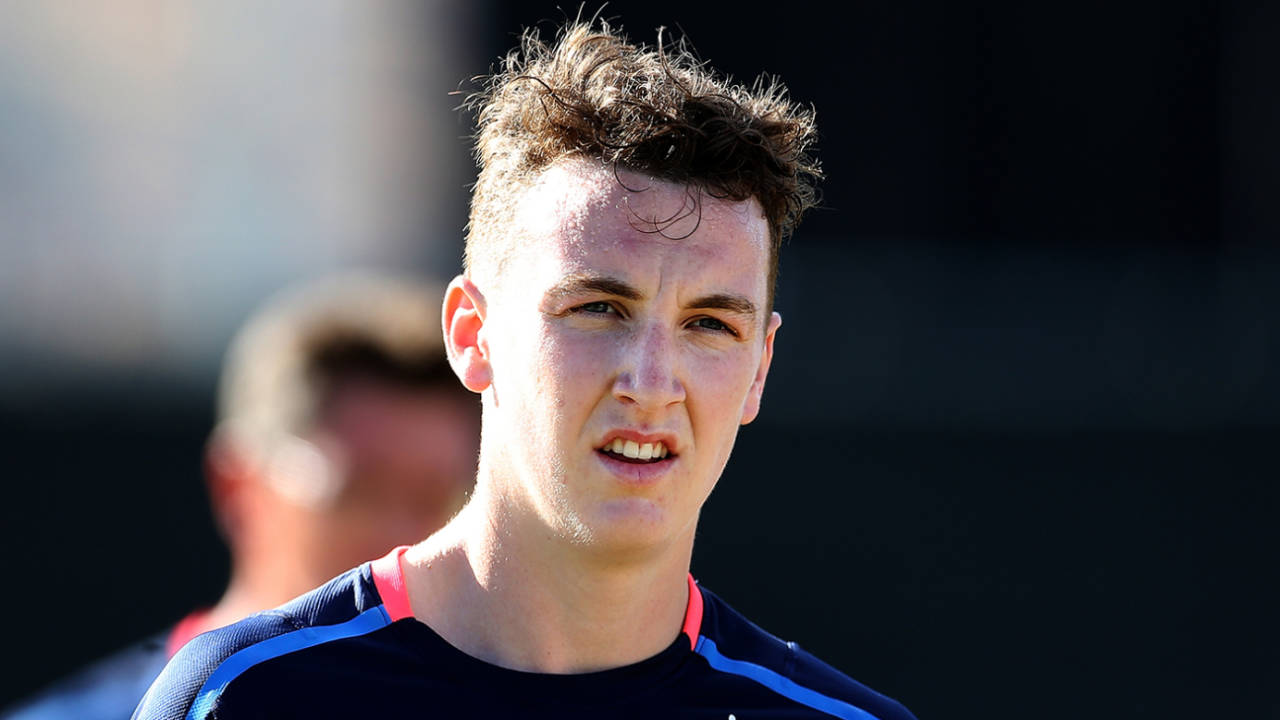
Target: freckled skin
x=567, y=370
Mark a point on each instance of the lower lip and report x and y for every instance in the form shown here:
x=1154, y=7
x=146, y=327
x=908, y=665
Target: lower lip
x=636, y=473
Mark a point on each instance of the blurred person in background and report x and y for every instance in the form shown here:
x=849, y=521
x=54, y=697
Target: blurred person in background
x=342, y=432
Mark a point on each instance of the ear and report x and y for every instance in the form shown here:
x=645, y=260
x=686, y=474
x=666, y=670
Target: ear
x=463, y=317
x=227, y=474
x=752, y=407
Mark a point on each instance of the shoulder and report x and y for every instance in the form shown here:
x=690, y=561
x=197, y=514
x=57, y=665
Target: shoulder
x=195, y=681
x=732, y=644
x=106, y=690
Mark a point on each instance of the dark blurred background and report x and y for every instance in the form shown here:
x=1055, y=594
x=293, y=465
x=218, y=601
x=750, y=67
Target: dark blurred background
x=1017, y=453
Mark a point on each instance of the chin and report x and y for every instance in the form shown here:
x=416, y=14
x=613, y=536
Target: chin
x=631, y=527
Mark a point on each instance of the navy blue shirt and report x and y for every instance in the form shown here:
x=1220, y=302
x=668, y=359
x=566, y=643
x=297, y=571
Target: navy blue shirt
x=352, y=649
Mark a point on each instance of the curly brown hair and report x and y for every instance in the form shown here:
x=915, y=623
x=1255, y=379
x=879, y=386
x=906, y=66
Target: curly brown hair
x=657, y=111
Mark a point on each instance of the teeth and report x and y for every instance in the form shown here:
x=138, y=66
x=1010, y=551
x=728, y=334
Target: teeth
x=636, y=451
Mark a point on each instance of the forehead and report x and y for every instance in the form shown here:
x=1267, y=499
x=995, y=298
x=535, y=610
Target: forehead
x=578, y=209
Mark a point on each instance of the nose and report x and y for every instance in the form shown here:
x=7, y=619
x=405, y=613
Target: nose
x=648, y=374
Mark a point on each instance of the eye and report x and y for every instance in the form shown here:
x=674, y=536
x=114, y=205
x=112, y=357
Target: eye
x=713, y=325
x=598, y=307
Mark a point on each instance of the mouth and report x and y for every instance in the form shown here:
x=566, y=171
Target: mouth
x=636, y=453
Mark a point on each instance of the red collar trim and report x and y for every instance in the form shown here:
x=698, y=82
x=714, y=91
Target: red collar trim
x=693, y=614
x=388, y=578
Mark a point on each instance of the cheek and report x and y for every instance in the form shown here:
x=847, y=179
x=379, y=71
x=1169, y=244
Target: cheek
x=729, y=372
x=721, y=383
x=574, y=362
x=567, y=375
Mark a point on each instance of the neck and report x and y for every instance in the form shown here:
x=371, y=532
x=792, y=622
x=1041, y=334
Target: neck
x=256, y=586
x=518, y=600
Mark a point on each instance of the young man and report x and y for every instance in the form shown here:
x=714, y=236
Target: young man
x=616, y=318
x=342, y=433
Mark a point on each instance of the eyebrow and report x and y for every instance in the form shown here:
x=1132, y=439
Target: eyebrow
x=581, y=283
x=575, y=284
x=725, y=301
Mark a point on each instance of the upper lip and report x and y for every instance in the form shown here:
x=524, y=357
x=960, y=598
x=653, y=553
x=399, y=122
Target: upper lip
x=667, y=439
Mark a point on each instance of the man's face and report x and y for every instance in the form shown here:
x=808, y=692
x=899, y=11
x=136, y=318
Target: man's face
x=623, y=359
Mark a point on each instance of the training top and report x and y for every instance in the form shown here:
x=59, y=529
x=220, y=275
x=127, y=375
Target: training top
x=352, y=649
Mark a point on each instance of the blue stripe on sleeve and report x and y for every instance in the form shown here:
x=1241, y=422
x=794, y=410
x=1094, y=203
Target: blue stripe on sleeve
x=780, y=684
x=366, y=622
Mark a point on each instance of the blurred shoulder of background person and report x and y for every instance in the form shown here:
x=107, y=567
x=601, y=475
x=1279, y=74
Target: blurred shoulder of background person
x=341, y=433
